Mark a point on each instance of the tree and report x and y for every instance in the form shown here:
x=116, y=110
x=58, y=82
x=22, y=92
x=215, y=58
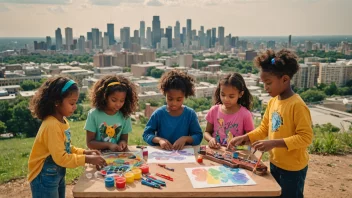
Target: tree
x=149, y=71
x=257, y=104
x=349, y=83
x=2, y=128
x=5, y=111
x=313, y=95
x=126, y=69
x=331, y=90
x=28, y=85
x=157, y=73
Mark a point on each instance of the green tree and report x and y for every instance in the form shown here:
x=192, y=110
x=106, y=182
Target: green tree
x=331, y=90
x=349, y=83
x=2, y=127
x=29, y=85
x=149, y=71
x=5, y=111
x=126, y=69
x=157, y=73
x=257, y=104
x=313, y=95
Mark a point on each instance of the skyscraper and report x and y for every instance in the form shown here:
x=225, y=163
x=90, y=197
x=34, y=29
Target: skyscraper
x=162, y=32
x=213, y=37
x=81, y=44
x=111, y=33
x=271, y=45
x=100, y=39
x=184, y=35
x=156, y=30
x=125, y=37
x=48, y=42
x=149, y=36
x=89, y=36
x=58, y=38
x=289, y=41
x=168, y=35
x=177, y=30
x=68, y=37
x=221, y=32
x=189, y=31
x=142, y=32
x=95, y=37
x=208, y=39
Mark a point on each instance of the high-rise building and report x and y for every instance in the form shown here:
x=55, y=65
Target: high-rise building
x=81, y=44
x=156, y=30
x=338, y=72
x=89, y=36
x=106, y=40
x=168, y=35
x=111, y=33
x=125, y=37
x=100, y=39
x=164, y=43
x=309, y=45
x=177, y=30
x=271, y=45
x=189, y=32
x=95, y=37
x=142, y=32
x=289, y=41
x=213, y=37
x=48, y=42
x=162, y=32
x=149, y=36
x=68, y=37
x=135, y=40
x=184, y=35
x=58, y=39
x=306, y=77
x=208, y=39
x=221, y=32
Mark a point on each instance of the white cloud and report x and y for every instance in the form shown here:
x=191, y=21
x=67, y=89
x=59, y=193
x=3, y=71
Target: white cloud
x=56, y=9
x=3, y=8
x=153, y=3
x=37, y=1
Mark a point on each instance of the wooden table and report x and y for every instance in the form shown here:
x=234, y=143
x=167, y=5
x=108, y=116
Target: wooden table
x=181, y=186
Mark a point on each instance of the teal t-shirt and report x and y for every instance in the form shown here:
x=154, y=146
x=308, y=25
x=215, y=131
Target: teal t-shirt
x=107, y=128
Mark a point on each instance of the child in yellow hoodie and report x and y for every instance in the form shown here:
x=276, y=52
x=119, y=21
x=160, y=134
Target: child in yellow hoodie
x=286, y=122
x=52, y=151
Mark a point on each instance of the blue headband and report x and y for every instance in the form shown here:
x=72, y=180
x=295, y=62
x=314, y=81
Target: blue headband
x=273, y=61
x=67, y=85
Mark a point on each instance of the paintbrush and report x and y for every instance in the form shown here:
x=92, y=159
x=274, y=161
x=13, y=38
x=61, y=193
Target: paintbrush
x=258, y=162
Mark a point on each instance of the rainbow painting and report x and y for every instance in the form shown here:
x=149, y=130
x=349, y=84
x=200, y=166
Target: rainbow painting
x=218, y=176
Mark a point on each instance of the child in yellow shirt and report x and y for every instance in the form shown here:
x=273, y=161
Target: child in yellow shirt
x=286, y=122
x=52, y=151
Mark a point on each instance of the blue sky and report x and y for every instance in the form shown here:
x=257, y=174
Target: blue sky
x=32, y=18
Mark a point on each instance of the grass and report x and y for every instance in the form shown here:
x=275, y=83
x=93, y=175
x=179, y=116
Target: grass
x=331, y=143
x=15, y=152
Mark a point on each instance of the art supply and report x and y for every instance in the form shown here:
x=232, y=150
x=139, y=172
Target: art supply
x=167, y=168
x=109, y=182
x=160, y=182
x=120, y=182
x=200, y=159
x=258, y=162
x=156, y=156
x=164, y=176
x=150, y=184
x=129, y=177
x=235, y=155
x=145, y=152
x=137, y=173
x=145, y=169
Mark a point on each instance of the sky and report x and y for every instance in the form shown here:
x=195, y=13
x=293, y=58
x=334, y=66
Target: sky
x=40, y=18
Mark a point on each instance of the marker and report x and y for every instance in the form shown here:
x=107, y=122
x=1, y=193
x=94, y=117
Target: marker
x=150, y=184
x=160, y=182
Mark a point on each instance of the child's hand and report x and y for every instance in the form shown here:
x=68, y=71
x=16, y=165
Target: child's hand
x=213, y=144
x=240, y=140
x=92, y=152
x=122, y=144
x=114, y=147
x=164, y=144
x=96, y=160
x=263, y=145
x=180, y=143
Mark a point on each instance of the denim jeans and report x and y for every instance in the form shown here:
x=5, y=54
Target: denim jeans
x=50, y=182
x=291, y=182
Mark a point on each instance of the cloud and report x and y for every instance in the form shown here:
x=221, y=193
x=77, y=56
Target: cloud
x=56, y=9
x=153, y=3
x=114, y=2
x=3, y=8
x=62, y=2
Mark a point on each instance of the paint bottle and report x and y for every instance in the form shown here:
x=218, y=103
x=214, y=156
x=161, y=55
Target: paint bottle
x=200, y=159
x=145, y=169
x=120, y=182
x=109, y=182
x=129, y=177
x=137, y=173
x=235, y=155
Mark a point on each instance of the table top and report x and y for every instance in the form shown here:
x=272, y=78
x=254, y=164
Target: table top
x=181, y=186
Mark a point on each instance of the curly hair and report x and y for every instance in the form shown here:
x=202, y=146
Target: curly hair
x=179, y=81
x=100, y=92
x=235, y=80
x=48, y=95
x=283, y=62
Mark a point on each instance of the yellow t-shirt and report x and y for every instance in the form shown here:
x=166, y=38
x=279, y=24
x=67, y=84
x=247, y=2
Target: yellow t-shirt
x=54, y=138
x=289, y=120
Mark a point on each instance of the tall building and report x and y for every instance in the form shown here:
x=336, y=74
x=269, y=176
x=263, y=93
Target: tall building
x=100, y=39
x=89, y=36
x=149, y=36
x=95, y=37
x=136, y=39
x=306, y=77
x=125, y=37
x=68, y=37
x=221, y=32
x=164, y=43
x=81, y=44
x=309, y=45
x=213, y=37
x=177, y=30
x=168, y=35
x=186, y=60
x=201, y=35
x=271, y=45
x=338, y=72
x=156, y=30
x=58, y=39
x=111, y=33
x=162, y=32
x=184, y=35
x=208, y=39
x=189, y=32
x=142, y=32
x=48, y=42
x=289, y=41
x=106, y=40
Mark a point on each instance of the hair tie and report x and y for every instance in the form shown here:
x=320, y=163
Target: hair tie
x=115, y=83
x=273, y=61
x=67, y=85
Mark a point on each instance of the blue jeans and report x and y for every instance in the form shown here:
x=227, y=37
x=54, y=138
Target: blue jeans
x=291, y=182
x=50, y=182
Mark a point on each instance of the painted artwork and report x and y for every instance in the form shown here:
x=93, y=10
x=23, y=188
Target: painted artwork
x=156, y=155
x=122, y=158
x=218, y=176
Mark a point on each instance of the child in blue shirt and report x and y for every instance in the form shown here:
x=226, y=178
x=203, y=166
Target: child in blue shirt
x=174, y=125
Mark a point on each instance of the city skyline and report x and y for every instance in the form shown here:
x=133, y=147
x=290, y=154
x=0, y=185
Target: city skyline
x=43, y=18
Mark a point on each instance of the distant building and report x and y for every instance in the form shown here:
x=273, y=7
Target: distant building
x=139, y=70
x=306, y=77
x=338, y=72
x=186, y=60
x=102, y=60
x=250, y=55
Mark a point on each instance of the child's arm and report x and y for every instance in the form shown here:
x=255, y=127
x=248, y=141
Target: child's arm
x=262, y=131
x=93, y=144
x=208, y=136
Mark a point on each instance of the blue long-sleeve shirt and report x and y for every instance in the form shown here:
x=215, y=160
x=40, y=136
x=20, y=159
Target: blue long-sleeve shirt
x=162, y=124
